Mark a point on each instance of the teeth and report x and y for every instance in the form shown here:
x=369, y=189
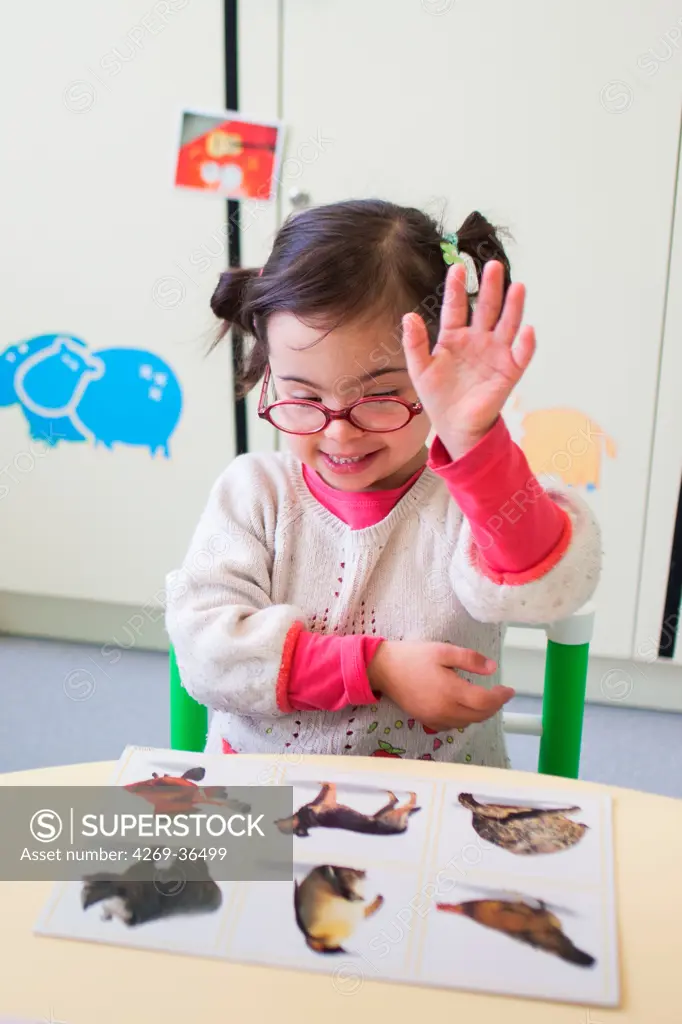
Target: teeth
x=341, y=462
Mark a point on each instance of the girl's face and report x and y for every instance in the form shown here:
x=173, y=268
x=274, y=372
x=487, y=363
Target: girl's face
x=336, y=372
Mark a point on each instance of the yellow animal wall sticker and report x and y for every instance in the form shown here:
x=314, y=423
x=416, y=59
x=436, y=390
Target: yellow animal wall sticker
x=561, y=442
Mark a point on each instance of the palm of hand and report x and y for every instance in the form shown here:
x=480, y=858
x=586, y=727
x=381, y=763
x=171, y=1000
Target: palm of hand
x=465, y=382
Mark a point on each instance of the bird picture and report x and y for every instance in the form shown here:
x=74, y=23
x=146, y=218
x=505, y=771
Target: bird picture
x=535, y=926
x=524, y=830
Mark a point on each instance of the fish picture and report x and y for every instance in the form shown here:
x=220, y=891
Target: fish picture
x=179, y=794
x=135, y=899
x=536, y=926
x=330, y=905
x=524, y=830
x=325, y=812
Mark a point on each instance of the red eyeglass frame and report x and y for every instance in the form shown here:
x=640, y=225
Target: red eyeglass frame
x=414, y=408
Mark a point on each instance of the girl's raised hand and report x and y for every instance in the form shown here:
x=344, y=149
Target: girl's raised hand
x=464, y=383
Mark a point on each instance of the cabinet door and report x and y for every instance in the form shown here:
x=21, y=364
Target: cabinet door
x=658, y=619
x=551, y=123
x=101, y=252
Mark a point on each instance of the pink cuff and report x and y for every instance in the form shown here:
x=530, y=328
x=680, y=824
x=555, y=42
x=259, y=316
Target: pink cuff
x=518, y=579
x=326, y=672
x=354, y=661
x=282, y=691
x=515, y=524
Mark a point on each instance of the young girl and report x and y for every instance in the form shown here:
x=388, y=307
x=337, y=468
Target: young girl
x=349, y=595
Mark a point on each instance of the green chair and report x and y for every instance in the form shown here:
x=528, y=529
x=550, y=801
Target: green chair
x=188, y=718
x=559, y=726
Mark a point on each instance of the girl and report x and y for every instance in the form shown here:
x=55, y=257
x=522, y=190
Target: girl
x=348, y=595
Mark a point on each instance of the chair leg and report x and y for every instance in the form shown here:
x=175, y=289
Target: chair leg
x=563, y=709
x=188, y=718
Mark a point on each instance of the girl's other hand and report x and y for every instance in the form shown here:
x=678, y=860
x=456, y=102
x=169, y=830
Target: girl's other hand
x=419, y=678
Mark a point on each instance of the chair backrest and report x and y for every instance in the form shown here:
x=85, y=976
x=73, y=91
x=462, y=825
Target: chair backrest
x=560, y=726
x=563, y=700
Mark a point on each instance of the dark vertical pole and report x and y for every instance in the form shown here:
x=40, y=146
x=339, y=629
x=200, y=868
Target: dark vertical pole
x=673, y=597
x=233, y=209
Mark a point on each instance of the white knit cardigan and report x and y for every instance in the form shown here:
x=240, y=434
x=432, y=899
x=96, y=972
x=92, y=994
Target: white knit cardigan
x=266, y=554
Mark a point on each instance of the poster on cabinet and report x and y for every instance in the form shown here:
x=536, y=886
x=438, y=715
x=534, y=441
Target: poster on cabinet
x=229, y=155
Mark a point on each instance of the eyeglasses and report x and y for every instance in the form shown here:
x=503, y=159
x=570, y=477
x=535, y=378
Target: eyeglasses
x=375, y=413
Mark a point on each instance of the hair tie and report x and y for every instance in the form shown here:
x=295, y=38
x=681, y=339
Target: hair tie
x=451, y=254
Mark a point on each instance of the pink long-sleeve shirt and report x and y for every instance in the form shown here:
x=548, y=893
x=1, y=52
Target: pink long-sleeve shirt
x=518, y=530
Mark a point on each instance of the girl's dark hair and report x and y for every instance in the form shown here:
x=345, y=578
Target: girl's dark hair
x=338, y=263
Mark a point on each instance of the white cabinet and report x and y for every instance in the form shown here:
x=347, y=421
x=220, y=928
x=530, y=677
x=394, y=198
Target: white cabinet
x=99, y=247
x=542, y=117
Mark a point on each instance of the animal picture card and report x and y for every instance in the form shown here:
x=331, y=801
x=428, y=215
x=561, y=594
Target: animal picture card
x=416, y=880
x=332, y=917
x=545, y=838
x=532, y=940
x=113, y=907
x=354, y=815
x=140, y=765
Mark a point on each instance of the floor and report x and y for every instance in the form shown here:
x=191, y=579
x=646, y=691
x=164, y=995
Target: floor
x=66, y=703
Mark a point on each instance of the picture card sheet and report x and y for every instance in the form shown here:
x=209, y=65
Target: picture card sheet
x=499, y=889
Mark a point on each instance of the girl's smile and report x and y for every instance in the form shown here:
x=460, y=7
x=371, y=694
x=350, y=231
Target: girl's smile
x=348, y=464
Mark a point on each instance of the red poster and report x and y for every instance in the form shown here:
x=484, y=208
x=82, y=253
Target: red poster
x=230, y=155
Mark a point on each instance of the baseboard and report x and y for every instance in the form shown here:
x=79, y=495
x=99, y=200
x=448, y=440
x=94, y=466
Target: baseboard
x=88, y=622
x=655, y=687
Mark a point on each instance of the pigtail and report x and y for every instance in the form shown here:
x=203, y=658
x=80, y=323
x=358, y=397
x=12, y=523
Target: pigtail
x=230, y=299
x=231, y=303
x=479, y=239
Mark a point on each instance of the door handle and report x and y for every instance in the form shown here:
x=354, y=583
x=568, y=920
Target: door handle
x=299, y=198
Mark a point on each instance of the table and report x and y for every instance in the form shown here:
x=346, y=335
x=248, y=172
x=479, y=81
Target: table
x=84, y=983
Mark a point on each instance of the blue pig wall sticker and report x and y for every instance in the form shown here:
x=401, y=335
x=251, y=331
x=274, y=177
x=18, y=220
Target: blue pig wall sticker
x=112, y=396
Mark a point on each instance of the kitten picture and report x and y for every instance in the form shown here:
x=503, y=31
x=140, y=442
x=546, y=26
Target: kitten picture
x=134, y=898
